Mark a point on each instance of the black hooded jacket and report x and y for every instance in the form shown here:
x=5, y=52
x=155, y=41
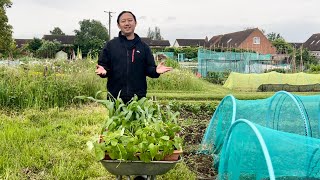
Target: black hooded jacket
x=127, y=63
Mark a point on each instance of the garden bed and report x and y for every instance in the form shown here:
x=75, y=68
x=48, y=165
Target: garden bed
x=194, y=124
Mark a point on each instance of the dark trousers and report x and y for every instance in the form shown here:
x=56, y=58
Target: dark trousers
x=124, y=99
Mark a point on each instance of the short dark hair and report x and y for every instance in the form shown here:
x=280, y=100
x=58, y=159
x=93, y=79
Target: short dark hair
x=134, y=17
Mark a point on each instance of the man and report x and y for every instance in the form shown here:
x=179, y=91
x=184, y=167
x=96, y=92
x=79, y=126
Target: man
x=126, y=61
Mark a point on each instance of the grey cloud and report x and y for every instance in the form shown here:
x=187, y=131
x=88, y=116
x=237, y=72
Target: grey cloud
x=171, y=18
x=297, y=31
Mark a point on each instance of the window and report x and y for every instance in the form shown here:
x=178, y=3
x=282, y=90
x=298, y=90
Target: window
x=256, y=40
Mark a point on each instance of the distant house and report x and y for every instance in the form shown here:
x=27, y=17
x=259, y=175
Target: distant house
x=190, y=43
x=313, y=45
x=21, y=42
x=158, y=44
x=65, y=40
x=250, y=39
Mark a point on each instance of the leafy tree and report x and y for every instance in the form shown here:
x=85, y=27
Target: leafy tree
x=91, y=37
x=6, y=40
x=274, y=36
x=57, y=31
x=280, y=43
x=154, y=35
x=34, y=45
x=157, y=34
x=150, y=33
x=307, y=58
x=48, y=49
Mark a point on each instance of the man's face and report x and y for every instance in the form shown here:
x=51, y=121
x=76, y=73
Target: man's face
x=127, y=24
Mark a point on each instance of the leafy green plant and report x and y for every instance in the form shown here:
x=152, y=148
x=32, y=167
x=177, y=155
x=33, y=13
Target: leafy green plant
x=139, y=130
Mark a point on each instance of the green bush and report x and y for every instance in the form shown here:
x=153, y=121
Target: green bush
x=217, y=77
x=314, y=68
x=172, y=63
x=279, y=70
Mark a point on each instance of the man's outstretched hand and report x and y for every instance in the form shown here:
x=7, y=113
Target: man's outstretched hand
x=162, y=68
x=100, y=70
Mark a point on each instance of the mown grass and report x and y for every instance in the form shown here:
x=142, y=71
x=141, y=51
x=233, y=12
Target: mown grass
x=51, y=144
x=206, y=96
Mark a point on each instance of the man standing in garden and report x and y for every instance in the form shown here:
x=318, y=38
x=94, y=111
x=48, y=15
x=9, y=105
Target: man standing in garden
x=126, y=61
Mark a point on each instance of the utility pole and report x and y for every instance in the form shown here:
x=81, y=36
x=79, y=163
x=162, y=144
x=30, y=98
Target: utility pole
x=301, y=61
x=109, y=12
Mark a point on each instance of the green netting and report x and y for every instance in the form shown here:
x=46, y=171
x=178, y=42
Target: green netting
x=283, y=111
x=312, y=106
x=290, y=88
x=252, y=151
x=243, y=62
x=251, y=82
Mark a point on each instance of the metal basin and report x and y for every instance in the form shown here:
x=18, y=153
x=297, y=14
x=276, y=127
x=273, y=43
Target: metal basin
x=117, y=167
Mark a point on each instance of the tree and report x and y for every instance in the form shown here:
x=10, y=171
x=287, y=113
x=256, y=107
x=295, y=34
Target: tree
x=154, y=35
x=6, y=40
x=157, y=34
x=280, y=43
x=91, y=37
x=274, y=36
x=57, y=31
x=307, y=57
x=48, y=49
x=34, y=45
x=282, y=46
x=150, y=33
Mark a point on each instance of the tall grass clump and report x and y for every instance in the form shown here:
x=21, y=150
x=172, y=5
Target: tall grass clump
x=172, y=63
x=44, y=85
x=178, y=79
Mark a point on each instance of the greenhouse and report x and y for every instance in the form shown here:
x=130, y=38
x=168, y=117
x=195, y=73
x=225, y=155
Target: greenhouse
x=242, y=62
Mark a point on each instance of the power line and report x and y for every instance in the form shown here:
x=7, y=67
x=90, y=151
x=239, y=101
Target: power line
x=110, y=16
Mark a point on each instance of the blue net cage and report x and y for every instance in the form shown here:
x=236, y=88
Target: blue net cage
x=283, y=112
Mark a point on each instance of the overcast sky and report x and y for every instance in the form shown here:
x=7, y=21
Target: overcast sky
x=295, y=20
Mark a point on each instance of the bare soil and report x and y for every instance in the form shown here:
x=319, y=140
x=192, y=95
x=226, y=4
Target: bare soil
x=194, y=125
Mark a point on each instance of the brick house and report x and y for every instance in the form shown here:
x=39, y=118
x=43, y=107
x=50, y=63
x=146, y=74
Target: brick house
x=250, y=39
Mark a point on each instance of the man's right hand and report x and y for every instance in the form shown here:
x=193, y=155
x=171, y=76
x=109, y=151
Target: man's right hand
x=100, y=70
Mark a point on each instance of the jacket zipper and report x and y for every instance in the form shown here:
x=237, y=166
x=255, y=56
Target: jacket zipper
x=132, y=56
x=127, y=72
